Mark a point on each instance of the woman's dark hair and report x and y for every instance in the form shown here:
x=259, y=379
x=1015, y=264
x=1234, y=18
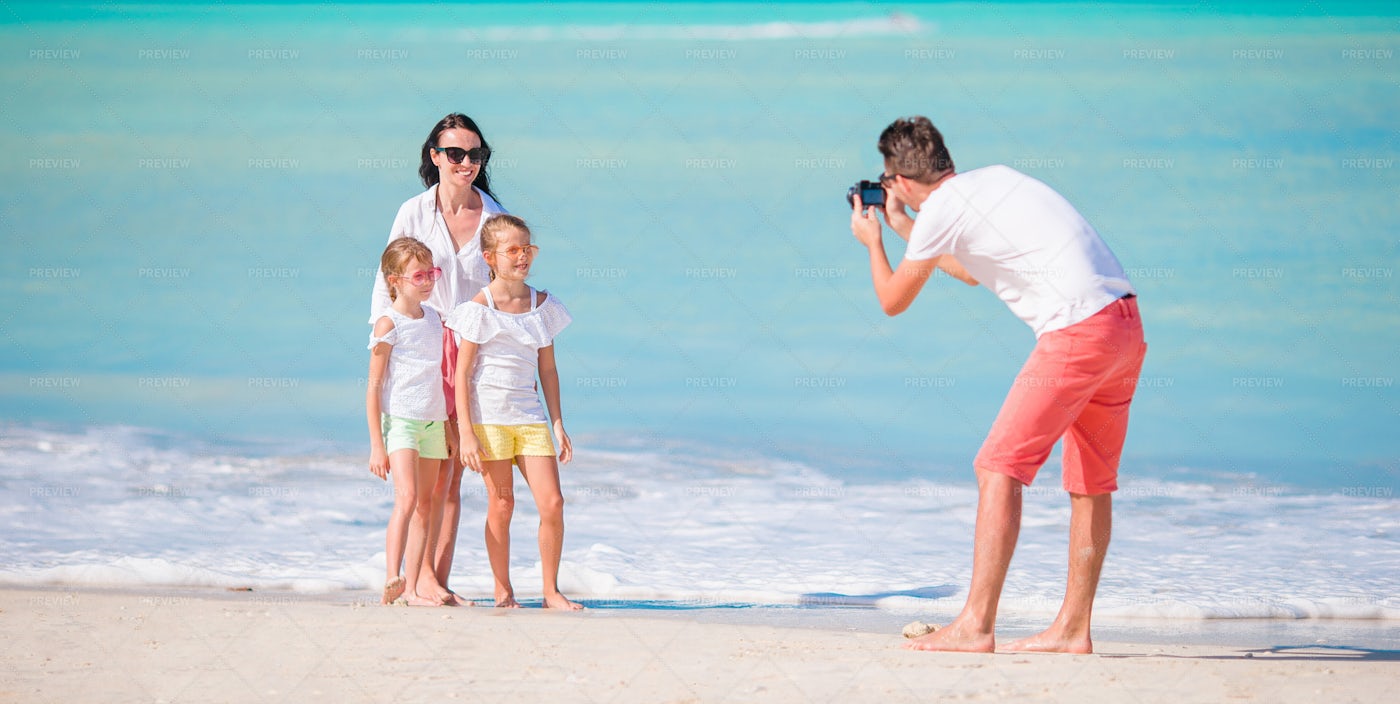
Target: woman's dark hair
x=915, y=149
x=428, y=171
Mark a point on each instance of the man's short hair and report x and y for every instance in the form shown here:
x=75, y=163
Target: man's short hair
x=914, y=148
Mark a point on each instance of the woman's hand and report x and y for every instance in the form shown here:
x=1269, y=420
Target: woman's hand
x=449, y=430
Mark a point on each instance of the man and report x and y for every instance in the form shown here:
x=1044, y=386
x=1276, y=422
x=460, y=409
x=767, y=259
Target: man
x=1026, y=243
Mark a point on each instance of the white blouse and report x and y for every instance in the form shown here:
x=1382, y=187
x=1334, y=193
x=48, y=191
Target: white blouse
x=507, y=359
x=464, y=271
x=412, y=385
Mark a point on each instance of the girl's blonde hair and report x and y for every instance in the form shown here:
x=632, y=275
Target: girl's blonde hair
x=492, y=229
x=396, y=257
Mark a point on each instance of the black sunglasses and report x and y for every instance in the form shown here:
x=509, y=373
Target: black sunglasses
x=479, y=155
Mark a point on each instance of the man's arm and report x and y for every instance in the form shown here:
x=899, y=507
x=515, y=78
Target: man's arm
x=896, y=216
x=903, y=226
x=954, y=268
x=895, y=288
x=898, y=219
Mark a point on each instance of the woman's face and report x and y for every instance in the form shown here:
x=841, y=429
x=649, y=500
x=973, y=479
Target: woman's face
x=459, y=175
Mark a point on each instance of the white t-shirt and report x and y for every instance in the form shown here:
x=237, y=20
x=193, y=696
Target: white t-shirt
x=1022, y=240
x=507, y=360
x=464, y=272
x=412, y=385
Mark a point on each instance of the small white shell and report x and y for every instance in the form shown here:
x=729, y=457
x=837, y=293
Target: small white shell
x=914, y=629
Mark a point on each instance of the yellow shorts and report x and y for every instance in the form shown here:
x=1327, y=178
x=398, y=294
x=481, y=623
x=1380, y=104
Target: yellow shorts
x=505, y=442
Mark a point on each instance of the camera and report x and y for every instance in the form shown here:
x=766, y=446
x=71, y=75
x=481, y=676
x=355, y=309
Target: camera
x=869, y=192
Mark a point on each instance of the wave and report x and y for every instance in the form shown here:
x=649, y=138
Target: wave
x=163, y=573
x=894, y=24
x=678, y=524
x=599, y=589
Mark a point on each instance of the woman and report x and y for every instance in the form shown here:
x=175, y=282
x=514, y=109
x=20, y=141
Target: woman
x=447, y=217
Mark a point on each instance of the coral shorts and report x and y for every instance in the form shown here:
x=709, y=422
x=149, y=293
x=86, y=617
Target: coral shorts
x=1077, y=385
x=504, y=442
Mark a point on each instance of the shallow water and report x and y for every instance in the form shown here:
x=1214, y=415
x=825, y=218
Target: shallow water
x=195, y=201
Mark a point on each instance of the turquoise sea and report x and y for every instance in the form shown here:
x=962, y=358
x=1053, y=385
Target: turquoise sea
x=193, y=199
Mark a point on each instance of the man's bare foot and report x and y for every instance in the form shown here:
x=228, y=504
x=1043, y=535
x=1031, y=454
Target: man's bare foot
x=561, y=602
x=954, y=638
x=507, y=601
x=393, y=589
x=1048, y=642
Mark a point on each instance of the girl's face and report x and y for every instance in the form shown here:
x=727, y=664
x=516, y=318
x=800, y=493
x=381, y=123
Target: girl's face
x=513, y=255
x=459, y=175
x=416, y=282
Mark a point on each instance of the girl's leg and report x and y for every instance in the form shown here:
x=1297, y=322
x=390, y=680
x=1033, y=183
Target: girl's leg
x=542, y=474
x=500, y=506
x=447, y=515
x=402, y=468
x=422, y=586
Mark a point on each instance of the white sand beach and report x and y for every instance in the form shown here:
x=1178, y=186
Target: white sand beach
x=226, y=646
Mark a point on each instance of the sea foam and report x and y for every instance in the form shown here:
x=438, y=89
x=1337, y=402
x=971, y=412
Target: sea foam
x=681, y=525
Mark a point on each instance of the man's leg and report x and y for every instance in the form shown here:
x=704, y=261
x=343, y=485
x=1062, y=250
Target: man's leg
x=1090, y=527
x=998, y=526
x=1093, y=447
x=1031, y=420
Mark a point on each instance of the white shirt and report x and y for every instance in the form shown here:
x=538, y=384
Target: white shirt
x=412, y=385
x=1022, y=240
x=464, y=272
x=507, y=360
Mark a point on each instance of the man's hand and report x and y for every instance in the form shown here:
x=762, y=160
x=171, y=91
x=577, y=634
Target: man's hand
x=896, y=216
x=864, y=225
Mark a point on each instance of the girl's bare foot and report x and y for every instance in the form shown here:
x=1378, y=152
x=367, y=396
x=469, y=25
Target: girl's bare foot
x=416, y=600
x=429, y=587
x=454, y=599
x=561, y=602
x=507, y=601
x=436, y=593
x=393, y=589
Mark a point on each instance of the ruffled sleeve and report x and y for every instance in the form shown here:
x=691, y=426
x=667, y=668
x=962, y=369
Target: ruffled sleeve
x=473, y=322
x=389, y=338
x=554, y=317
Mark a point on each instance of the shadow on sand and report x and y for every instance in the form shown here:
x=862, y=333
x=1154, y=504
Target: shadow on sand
x=1292, y=653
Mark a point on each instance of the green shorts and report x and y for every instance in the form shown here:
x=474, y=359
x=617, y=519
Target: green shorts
x=426, y=437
